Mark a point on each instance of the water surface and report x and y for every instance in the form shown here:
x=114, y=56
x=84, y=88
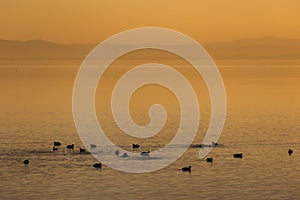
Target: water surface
x=263, y=122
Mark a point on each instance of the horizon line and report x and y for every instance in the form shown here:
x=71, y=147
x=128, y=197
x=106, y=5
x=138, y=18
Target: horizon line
x=93, y=43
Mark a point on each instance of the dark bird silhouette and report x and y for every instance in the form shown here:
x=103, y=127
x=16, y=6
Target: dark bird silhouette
x=93, y=146
x=209, y=160
x=187, y=169
x=26, y=162
x=135, y=146
x=70, y=146
x=54, y=148
x=238, y=155
x=98, y=165
x=145, y=153
x=290, y=151
x=82, y=150
x=213, y=144
x=195, y=146
x=125, y=155
x=56, y=144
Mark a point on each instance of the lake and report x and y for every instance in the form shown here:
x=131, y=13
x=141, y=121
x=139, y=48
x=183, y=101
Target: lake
x=262, y=122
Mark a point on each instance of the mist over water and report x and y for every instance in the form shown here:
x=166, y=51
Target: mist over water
x=263, y=122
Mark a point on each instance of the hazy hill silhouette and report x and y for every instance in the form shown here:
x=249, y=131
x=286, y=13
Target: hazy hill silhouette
x=41, y=49
x=260, y=48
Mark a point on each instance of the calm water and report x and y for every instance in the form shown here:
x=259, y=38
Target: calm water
x=263, y=122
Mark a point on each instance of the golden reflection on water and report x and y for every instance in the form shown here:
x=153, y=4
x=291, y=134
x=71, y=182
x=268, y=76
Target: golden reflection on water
x=263, y=117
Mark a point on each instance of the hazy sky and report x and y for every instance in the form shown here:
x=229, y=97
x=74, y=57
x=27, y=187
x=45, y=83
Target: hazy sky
x=79, y=21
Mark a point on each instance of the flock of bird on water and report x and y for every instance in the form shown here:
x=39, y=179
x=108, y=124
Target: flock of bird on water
x=56, y=144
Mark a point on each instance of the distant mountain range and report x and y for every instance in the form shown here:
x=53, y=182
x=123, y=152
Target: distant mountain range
x=41, y=49
x=259, y=48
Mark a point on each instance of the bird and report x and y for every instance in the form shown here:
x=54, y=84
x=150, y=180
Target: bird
x=125, y=155
x=213, y=144
x=195, y=145
x=56, y=144
x=117, y=152
x=238, y=155
x=98, y=165
x=93, y=146
x=209, y=160
x=26, y=162
x=290, y=151
x=145, y=153
x=135, y=146
x=54, y=148
x=70, y=146
x=187, y=169
x=82, y=150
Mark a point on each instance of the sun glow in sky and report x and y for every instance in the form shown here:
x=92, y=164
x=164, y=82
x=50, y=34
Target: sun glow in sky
x=77, y=21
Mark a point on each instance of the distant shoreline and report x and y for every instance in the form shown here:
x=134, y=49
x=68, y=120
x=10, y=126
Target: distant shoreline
x=245, y=51
x=77, y=62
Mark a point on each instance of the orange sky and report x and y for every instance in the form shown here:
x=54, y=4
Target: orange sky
x=78, y=21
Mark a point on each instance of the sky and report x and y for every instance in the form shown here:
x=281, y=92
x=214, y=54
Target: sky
x=78, y=21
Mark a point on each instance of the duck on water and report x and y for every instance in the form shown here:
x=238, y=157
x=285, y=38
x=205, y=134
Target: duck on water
x=145, y=153
x=56, y=143
x=238, y=155
x=70, y=146
x=98, y=165
x=187, y=169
